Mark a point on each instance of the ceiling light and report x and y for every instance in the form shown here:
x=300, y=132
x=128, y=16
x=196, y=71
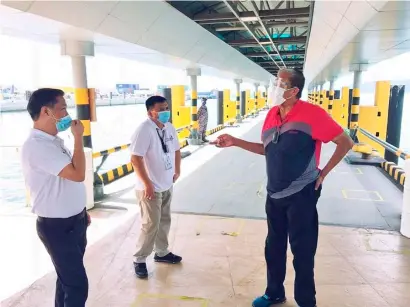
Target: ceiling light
x=249, y=19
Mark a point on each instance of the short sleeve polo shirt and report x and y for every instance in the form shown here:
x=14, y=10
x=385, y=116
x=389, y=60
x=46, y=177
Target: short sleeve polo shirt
x=43, y=157
x=293, y=146
x=146, y=143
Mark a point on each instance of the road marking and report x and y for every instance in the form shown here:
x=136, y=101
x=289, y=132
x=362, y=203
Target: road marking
x=345, y=194
x=369, y=248
x=353, y=170
x=202, y=301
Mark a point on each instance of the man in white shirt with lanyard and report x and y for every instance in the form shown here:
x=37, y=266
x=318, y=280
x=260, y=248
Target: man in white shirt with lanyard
x=156, y=159
x=55, y=178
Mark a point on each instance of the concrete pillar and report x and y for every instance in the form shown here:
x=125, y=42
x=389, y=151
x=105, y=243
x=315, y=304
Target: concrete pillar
x=331, y=95
x=321, y=93
x=355, y=107
x=78, y=51
x=266, y=95
x=331, y=84
x=238, y=103
x=194, y=137
x=256, y=98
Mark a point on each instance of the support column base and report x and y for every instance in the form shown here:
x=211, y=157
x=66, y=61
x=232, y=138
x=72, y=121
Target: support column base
x=194, y=142
x=238, y=119
x=98, y=191
x=194, y=138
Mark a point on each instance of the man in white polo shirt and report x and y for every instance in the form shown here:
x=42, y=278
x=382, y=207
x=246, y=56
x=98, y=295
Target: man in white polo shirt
x=156, y=159
x=55, y=178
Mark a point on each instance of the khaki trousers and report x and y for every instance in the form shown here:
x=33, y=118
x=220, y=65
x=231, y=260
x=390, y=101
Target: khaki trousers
x=155, y=225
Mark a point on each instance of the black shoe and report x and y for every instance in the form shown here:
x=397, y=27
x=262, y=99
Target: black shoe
x=205, y=141
x=141, y=270
x=170, y=258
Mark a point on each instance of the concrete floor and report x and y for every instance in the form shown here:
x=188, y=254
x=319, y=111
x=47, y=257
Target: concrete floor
x=354, y=268
x=223, y=257
x=232, y=184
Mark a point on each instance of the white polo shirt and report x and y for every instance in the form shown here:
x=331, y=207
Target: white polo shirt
x=160, y=166
x=43, y=157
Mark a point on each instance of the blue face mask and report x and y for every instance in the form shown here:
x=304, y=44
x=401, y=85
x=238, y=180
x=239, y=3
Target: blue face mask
x=164, y=116
x=64, y=123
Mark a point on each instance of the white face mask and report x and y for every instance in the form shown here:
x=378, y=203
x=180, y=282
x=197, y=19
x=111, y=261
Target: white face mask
x=277, y=96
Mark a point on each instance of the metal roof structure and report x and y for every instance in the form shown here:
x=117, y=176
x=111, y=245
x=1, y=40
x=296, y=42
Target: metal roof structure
x=273, y=34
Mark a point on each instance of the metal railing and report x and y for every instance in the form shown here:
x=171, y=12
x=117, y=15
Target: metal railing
x=123, y=170
x=393, y=149
x=109, y=151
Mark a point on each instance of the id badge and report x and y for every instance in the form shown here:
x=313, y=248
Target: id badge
x=167, y=161
x=275, y=137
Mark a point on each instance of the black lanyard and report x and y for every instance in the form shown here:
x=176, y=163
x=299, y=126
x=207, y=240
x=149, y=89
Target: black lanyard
x=161, y=138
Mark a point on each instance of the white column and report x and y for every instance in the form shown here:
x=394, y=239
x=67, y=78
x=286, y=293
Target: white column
x=194, y=137
x=331, y=84
x=256, y=98
x=238, y=100
x=78, y=51
x=266, y=95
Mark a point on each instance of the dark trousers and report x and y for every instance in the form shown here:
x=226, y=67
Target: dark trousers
x=65, y=240
x=296, y=216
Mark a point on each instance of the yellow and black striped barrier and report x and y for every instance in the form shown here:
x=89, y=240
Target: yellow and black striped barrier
x=330, y=105
x=401, y=154
x=116, y=173
x=214, y=130
x=321, y=97
x=194, y=109
x=126, y=169
x=106, y=152
x=354, y=109
x=110, y=151
x=396, y=173
x=83, y=97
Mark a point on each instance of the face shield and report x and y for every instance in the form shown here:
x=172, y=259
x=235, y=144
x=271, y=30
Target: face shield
x=277, y=89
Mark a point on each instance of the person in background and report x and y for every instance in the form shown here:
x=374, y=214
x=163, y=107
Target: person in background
x=156, y=158
x=292, y=137
x=54, y=178
x=203, y=120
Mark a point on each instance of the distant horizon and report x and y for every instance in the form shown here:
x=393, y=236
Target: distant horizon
x=43, y=66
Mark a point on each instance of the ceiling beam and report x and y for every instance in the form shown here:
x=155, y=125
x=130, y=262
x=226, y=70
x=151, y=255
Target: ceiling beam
x=237, y=15
x=250, y=16
x=268, y=25
x=267, y=64
x=265, y=41
x=283, y=53
x=265, y=30
x=286, y=60
x=252, y=19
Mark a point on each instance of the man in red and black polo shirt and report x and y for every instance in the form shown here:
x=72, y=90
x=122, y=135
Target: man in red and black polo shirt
x=292, y=136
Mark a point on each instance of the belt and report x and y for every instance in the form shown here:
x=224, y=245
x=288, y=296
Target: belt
x=74, y=217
